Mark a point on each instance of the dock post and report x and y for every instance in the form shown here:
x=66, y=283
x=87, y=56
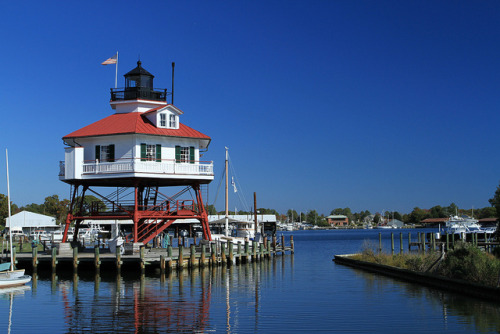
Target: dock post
x=180, y=261
x=223, y=252
x=261, y=251
x=401, y=242
x=202, y=257
x=214, y=258
x=169, y=251
x=75, y=259
x=54, y=259
x=254, y=250
x=247, y=250
x=433, y=240
x=142, y=263
x=13, y=257
x=447, y=241
x=292, y=244
x=274, y=244
x=453, y=240
x=283, y=243
x=265, y=245
x=379, y=242
x=422, y=238
x=97, y=261
x=162, y=264
x=238, y=251
x=192, y=259
x=392, y=243
x=118, y=260
x=231, y=252
x=34, y=253
x=409, y=241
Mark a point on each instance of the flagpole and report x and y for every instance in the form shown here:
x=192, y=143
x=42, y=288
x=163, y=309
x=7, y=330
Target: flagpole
x=116, y=71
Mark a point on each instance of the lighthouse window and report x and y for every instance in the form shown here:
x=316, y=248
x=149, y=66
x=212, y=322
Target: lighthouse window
x=105, y=153
x=151, y=152
x=184, y=154
x=172, y=122
x=163, y=120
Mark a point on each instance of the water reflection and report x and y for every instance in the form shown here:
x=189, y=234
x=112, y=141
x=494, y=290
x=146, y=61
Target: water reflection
x=175, y=302
x=478, y=313
x=10, y=294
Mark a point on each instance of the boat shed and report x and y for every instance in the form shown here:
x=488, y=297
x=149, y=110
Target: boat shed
x=29, y=221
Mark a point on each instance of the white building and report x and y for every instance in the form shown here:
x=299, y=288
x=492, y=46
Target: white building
x=29, y=221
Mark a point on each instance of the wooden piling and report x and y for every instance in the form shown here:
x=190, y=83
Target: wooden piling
x=447, y=241
x=392, y=243
x=214, y=258
x=75, y=259
x=34, y=256
x=379, y=242
x=192, y=259
x=97, y=261
x=401, y=242
x=231, y=251
x=54, y=259
x=247, y=250
x=292, y=244
x=202, y=256
x=180, y=261
x=223, y=252
x=118, y=259
x=409, y=241
x=282, y=244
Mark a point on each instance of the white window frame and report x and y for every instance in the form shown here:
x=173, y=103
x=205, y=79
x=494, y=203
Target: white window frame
x=104, y=153
x=151, y=152
x=163, y=120
x=172, y=121
x=184, y=154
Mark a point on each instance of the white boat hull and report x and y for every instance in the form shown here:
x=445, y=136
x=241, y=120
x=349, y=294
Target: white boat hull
x=10, y=282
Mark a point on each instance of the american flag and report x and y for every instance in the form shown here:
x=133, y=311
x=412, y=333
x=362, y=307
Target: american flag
x=111, y=60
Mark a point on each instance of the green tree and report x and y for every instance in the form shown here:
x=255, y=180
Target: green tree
x=377, y=218
x=417, y=215
x=495, y=202
x=211, y=210
x=312, y=217
x=397, y=216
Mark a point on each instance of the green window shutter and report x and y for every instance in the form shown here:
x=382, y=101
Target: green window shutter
x=97, y=152
x=177, y=154
x=112, y=153
x=158, y=153
x=143, y=152
x=191, y=155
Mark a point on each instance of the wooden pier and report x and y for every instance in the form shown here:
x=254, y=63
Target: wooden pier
x=166, y=259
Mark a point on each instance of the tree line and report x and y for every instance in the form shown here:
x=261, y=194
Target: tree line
x=53, y=206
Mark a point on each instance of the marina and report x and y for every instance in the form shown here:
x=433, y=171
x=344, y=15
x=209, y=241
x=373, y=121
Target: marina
x=281, y=295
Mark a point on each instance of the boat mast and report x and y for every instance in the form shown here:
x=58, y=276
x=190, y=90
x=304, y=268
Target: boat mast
x=227, y=195
x=8, y=206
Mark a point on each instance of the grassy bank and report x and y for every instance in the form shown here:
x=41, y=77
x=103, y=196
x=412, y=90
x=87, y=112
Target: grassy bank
x=464, y=262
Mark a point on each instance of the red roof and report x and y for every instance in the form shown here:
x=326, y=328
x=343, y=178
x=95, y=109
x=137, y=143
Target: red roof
x=133, y=122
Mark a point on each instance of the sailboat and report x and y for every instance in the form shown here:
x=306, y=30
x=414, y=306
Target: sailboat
x=243, y=230
x=8, y=276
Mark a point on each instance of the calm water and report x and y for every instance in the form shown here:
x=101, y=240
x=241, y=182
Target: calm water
x=301, y=293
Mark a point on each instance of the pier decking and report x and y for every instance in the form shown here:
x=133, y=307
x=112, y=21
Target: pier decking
x=170, y=258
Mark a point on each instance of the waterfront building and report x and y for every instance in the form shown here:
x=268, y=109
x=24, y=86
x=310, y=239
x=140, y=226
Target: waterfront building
x=130, y=159
x=337, y=220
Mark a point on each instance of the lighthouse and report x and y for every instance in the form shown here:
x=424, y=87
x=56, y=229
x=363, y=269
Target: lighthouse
x=130, y=159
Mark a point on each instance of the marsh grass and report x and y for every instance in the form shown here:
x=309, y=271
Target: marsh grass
x=465, y=262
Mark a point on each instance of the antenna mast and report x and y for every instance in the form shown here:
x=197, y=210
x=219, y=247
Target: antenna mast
x=173, y=67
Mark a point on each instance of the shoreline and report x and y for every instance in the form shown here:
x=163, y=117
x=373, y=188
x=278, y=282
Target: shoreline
x=449, y=284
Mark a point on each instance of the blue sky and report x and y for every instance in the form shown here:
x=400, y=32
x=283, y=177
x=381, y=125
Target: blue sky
x=378, y=105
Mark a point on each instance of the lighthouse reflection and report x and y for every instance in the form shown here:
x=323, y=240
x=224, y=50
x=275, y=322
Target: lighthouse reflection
x=187, y=301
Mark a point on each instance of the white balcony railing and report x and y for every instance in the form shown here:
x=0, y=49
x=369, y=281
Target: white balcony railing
x=140, y=166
